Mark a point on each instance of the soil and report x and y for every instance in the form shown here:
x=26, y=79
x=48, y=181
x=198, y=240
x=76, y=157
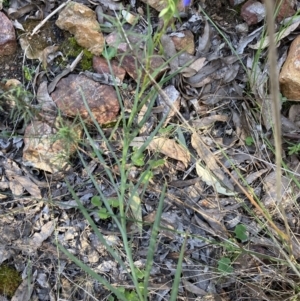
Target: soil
x=221, y=11
x=11, y=65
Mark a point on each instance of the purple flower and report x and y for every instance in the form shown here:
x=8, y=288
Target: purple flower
x=186, y=2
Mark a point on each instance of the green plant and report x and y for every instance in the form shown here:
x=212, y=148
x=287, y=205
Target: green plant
x=283, y=98
x=10, y=279
x=294, y=149
x=249, y=141
x=240, y=232
x=6, y=3
x=224, y=265
x=109, y=52
x=68, y=133
x=70, y=48
x=21, y=110
x=169, y=11
x=137, y=157
x=28, y=73
x=102, y=211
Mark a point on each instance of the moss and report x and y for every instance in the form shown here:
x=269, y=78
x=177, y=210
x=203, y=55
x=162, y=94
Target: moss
x=6, y=3
x=9, y=280
x=86, y=62
x=71, y=49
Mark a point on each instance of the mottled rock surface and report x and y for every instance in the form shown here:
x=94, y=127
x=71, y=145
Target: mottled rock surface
x=159, y=5
x=253, y=12
x=81, y=21
x=42, y=148
x=184, y=40
x=131, y=60
x=101, y=99
x=8, y=43
x=100, y=66
x=289, y=77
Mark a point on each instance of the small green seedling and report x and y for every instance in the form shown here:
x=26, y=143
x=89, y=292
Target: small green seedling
x=294, y=149
x=137, y=158
x=131, y=295
x=282, y=98
x=156, y=163
x=240, y=232
x=224, y=265
x=28, y=73
x=167, y=130
x=249, y=141
x=169, y=11
x=147, y=176
x=109, y=52
x=102, y=211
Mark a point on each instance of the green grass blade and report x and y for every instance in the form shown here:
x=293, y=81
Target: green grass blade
x=153, y=240
x=93, y=274
x=176, y=282
x=93, y=225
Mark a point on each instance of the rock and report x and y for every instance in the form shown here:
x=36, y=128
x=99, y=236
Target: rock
x=117, y=41
x=8, y=43
x=159, y=5
x=101, y=99
x=289, y=77
x=100, y=66
x=184, y=40
x=242, y=28
x=286, y=9
x=133, y=66
x=253, y=12
x=42, y=148
x=236, y=2
x=129, y=61
x=81, y=21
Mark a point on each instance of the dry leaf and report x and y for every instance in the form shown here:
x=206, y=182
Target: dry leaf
x=204, y=42
x=113, y=5
x=205, y=154
x=210, y=180
x=170, y=148
x=207, y=122
x=18, y=182
x=193, y=288
x=136, y=209
x=198, y=64
x=270, y=198
x=24, y=291
x=174, y=99
x=26, y=183
x=264, y=42
x=255, y=175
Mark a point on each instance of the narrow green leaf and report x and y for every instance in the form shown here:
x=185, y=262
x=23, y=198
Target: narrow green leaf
x=147, y=175
x=136, y=209
x=92, y=273
x=153, y=241
x=175, y=286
